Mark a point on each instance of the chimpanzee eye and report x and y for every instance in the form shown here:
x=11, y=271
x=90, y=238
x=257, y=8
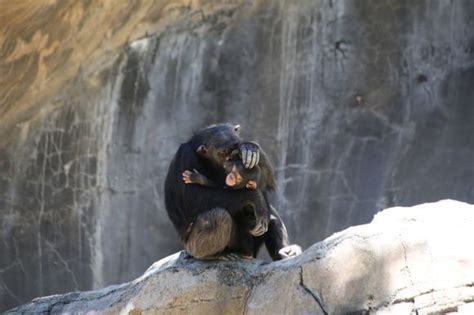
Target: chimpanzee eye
x=225, y=152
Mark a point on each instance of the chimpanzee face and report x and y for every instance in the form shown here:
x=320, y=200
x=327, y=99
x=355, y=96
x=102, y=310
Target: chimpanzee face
x=233, y=178
x=239, y=177
x=221, y=142
x=220, y=155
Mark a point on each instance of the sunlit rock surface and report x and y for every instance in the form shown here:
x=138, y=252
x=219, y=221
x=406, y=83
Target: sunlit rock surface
x=360, y=104
x=406, y=261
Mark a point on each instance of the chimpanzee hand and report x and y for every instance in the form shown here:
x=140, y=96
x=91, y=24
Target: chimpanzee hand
x=250, y=152
x=261, y=227
x=191, y=177
x=194, y=177
x=290, y=251
x=261, y=222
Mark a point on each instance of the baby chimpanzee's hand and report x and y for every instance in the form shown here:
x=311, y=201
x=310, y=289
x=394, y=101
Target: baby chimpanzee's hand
x=251, y=184
x=191, y=177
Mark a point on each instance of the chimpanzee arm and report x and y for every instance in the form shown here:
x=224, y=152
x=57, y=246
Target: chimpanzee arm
x=276, y=236
x=276, y=239
x=251, y=155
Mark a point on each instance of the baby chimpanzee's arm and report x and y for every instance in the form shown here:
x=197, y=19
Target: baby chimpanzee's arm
x=194, y=177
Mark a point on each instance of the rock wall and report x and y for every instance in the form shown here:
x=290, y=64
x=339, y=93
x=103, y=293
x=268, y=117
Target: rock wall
x=361, y=105
x=400, y=264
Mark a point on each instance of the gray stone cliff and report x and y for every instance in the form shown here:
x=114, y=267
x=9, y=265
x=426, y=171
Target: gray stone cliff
x=361, y=105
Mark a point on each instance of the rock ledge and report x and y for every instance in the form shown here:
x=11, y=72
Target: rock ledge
x=406, y=261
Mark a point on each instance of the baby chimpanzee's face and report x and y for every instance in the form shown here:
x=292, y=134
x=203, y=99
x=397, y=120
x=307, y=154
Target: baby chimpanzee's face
x=233, y=178
x=238, y=177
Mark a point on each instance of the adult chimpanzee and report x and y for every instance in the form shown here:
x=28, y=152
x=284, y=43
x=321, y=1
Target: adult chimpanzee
x=238, y=177
x=216, y=221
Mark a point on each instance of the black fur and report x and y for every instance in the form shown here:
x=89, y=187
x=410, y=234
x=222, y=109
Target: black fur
x=185, y=202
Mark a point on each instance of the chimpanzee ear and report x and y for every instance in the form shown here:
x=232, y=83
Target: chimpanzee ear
x=237, y=128
x=202, y=150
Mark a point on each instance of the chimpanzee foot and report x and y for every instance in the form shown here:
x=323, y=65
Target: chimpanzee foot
x=235, y=257
x=230, y=257
x=223, y=257
x=290, y=251
x=186, y=255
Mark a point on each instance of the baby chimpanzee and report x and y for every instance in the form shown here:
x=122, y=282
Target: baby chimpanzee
x=238, y=177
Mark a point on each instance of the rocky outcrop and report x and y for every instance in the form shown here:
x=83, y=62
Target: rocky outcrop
x=361, y=105
x=414, y=260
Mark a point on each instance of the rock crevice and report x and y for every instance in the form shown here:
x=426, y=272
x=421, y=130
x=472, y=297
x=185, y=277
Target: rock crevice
x=315, y=296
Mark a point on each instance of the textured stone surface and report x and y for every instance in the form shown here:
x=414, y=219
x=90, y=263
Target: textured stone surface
x=399, y=264
x=360, y=104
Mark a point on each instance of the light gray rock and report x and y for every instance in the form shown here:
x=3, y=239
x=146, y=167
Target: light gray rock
x=406, y=261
